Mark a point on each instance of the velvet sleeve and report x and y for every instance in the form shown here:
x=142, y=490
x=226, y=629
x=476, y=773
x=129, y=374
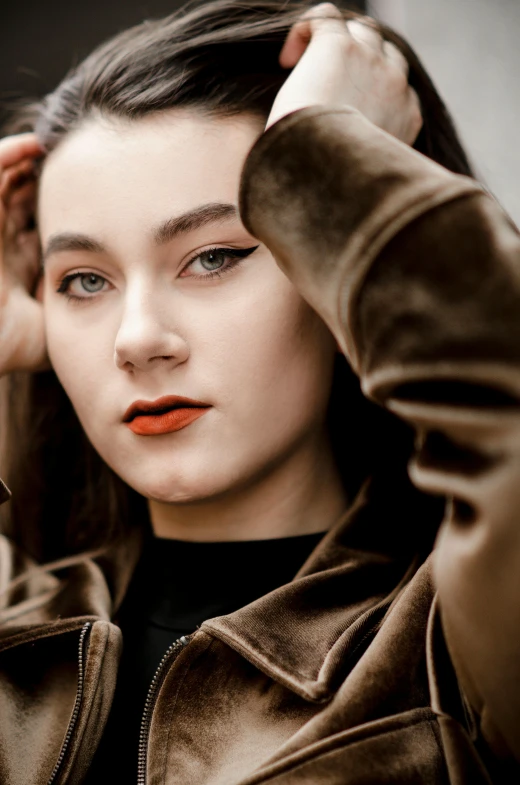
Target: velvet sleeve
x=417, y=273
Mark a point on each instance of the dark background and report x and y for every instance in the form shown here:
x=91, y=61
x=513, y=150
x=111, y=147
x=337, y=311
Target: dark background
x=40, y=41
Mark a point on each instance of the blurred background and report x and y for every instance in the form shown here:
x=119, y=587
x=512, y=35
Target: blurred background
x=470, y=47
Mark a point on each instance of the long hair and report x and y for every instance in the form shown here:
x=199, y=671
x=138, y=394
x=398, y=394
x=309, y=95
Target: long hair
x=219, y=57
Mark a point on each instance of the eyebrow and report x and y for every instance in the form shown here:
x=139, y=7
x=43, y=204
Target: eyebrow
x=214, y=212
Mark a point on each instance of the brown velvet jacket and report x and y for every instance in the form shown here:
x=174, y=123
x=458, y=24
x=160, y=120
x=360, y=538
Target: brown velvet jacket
x=378, y=663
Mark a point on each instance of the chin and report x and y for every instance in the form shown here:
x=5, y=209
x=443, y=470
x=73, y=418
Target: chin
x=176, y=488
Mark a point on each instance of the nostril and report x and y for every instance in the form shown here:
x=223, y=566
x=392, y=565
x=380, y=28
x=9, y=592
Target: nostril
x=161, y=358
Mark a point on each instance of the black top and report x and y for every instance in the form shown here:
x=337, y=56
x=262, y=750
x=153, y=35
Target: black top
x=176, y=586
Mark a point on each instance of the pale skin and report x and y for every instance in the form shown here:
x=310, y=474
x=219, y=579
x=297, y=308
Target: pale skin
x=258, y=464
x=245, y=342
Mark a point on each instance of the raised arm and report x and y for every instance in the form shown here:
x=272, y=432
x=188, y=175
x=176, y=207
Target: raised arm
x=417, y=273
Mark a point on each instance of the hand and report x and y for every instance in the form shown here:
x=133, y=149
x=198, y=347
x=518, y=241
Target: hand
x=338, y=63
x=22, y=338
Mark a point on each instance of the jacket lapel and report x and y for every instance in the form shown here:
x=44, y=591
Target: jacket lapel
x=308, y=634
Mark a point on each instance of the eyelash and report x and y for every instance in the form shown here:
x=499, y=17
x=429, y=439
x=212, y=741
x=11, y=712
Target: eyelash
x=237, y=254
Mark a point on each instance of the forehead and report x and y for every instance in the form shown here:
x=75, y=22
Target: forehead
x=140, y=170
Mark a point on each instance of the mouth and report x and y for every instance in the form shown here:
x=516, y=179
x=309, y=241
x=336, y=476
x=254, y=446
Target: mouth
x=165, y=415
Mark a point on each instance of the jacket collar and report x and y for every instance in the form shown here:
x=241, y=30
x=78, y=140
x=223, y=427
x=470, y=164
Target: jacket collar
x=306, y=634
x=41, y=600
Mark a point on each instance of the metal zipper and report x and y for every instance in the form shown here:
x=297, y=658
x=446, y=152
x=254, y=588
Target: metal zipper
x=77, y=703
x=173, y=651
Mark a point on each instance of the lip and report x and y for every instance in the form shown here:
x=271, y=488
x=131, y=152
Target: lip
x=165, y=415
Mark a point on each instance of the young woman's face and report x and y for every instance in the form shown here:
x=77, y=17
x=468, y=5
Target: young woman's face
x=142, y=302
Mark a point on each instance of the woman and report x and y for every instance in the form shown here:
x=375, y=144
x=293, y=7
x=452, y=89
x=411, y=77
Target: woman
x=216, y=433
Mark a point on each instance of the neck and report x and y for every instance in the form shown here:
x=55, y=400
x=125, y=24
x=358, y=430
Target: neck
x=303, y=495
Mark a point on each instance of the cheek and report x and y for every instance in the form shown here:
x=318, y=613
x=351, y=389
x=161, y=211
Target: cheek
x=278, y=351
x=78, y=353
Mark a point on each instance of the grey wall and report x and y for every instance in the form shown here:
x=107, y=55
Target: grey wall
x=472, y=50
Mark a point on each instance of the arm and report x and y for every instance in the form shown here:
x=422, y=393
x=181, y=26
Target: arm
x=417, y=273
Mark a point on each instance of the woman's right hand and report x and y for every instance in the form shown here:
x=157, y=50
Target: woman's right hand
x=22, y=337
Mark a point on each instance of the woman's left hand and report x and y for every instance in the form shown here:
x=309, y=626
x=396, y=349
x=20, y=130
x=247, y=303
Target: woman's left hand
x=338, y=63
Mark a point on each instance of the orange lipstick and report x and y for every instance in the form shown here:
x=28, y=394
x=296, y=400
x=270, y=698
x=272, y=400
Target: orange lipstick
x=165, y=415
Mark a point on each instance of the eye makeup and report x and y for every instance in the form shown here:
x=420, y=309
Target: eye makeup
x=214, y=262
x=212, y=256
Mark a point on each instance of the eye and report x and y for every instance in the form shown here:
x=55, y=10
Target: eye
x=91, y=282
x=212, y=260
x=78, y=286
x=215, y=262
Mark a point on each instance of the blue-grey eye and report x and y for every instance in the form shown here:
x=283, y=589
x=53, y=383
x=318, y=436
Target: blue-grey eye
x=213, y=260
x=91, y=282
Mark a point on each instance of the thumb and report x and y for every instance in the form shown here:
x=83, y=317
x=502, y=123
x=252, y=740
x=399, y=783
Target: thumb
x=324, y=17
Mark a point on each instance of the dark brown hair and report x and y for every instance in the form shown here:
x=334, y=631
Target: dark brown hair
x=221, y=58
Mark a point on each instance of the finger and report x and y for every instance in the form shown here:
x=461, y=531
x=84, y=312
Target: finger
x=17, y=203
x=416, y=116
x=14, y=149
x=21, y=247
x=19, y=194
x=323, y=12
x=14, y=176
x=321, y=18
x=21, y=209
x=394, y=56
x=365, y=35
x=295, y=44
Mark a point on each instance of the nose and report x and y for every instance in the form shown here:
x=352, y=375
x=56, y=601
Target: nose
x=147, y=337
